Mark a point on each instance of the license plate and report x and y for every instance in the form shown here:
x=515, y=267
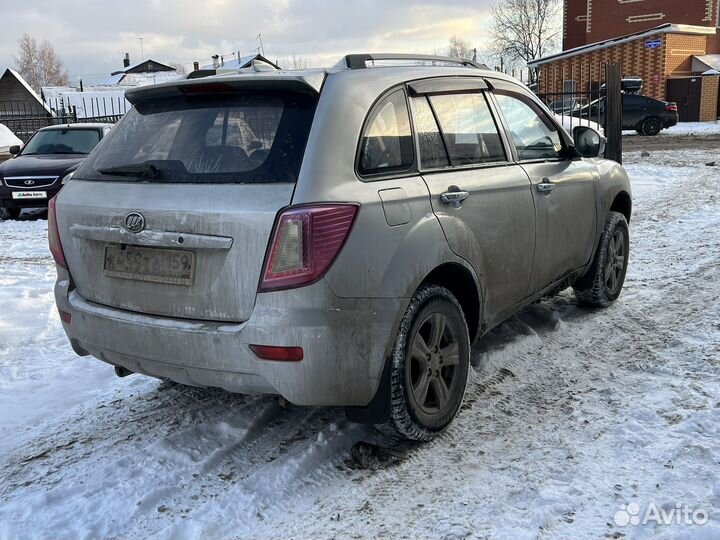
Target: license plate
x=169, y=266
x=29, y=194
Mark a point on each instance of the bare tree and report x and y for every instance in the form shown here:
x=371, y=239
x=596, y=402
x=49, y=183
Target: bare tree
x=293, y=62
x=461, y=48
x=177, y=66
x=524, y=30
x=39, y=64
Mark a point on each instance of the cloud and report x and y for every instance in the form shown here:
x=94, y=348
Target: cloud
x=93, y=36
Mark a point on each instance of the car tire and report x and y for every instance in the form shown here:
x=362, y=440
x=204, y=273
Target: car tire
x=9, y=213
x=604, y=281
x=651, y=126
x=430, y=366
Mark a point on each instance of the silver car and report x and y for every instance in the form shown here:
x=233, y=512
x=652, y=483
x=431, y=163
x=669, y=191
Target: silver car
x=336, y=237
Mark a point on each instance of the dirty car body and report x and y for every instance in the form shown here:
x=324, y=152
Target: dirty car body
x=267, y=232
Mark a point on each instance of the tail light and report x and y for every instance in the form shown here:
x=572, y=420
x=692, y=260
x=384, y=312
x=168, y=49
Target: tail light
x=54, y=236
x=671, y=107
x=305, y=242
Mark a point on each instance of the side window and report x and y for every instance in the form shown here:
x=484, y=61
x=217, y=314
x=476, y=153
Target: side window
x=468, y=128
x=534, y=135
x=430, y=143
x=387, y=142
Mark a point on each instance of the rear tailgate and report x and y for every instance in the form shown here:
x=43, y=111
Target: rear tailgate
x=172, y=214
x=226, y=227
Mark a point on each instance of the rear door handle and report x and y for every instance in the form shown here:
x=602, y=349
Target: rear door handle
x=545, y=186
x=454, y=196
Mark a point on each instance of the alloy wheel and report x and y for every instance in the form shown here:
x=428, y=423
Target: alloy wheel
x=433, y=367
x=615, y=262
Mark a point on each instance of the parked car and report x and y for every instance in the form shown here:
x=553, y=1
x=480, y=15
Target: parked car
x=382, y=219
x=647, y=116
x=38, y=169
x=567, y=105
x=570, y=123
x=7, y=139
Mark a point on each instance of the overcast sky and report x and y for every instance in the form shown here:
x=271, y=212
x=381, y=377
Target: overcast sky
x=92, y=35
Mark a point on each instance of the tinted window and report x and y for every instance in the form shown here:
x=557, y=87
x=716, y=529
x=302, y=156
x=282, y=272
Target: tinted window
x=387, y=143
x=431, y=147
x=236, y=138
x=63, y=141
x=534, y=135
x=468, y=128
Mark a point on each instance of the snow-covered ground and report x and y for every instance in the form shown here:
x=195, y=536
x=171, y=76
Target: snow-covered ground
x=570, y=415
x=687, y=128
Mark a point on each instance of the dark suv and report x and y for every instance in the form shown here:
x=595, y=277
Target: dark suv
x=643, y=114
x=39, y=168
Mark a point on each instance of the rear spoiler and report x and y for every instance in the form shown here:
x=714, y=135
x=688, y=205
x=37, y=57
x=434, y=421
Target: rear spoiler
x=308, y=83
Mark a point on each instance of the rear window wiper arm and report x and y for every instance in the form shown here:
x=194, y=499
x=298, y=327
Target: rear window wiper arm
x=133, y=169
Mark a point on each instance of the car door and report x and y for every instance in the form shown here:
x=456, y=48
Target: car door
x=634, y=111
x=481, y=198
x=563, y=187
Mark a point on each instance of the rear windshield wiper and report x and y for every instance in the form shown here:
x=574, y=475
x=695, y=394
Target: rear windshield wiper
x=133, y=169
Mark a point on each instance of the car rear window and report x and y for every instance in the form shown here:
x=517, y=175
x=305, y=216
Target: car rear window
x=257, y=137
x=62, y=141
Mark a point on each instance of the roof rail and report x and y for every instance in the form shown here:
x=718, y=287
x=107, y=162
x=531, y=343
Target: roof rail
x=360, y=61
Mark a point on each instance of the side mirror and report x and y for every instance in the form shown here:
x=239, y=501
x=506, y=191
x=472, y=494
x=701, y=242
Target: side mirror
x=15, y=150
x=588, y=142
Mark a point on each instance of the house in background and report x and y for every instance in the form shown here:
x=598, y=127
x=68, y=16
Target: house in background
x=674, y=46
x=146, y=72
x=106, y=101
x=220, y=65
x=21, y=109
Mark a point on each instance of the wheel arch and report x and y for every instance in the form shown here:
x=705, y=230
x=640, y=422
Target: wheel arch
x=622, y=203
x=461, y=282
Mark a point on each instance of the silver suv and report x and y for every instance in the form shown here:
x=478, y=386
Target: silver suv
x=337, y=237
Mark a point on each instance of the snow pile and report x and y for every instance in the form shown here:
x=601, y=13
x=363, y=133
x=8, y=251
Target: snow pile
x=575, y=422
x=692, y=128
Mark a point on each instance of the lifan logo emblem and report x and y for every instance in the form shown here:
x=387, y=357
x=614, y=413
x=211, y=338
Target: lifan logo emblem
x=134, y=222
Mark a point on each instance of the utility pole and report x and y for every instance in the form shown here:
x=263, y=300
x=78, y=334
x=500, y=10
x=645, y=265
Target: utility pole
x=142, y=53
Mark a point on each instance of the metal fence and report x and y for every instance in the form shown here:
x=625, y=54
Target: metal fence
x=89, y=105
x=25, y=118
x=583, y=94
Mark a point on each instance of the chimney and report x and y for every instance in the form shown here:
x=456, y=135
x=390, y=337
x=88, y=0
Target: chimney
x=216, y=61
x=196, y=66
x=126, y=60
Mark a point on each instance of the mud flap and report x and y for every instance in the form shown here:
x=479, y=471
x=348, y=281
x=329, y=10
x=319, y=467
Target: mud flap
x=378, y=410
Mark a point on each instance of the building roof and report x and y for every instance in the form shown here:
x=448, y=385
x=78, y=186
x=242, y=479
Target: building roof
x=132, y=80
x=658, y=30
x=240, y=63
x=27, y=87
x=146, y=66
x=706, y=62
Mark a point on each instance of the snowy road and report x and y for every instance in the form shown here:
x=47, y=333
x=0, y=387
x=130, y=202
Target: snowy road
x=570, y=414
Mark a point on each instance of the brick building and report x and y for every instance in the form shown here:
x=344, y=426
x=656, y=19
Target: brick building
x=670, y=44
x=592, y=21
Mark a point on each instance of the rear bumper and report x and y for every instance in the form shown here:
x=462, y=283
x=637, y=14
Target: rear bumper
x=345, y=343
